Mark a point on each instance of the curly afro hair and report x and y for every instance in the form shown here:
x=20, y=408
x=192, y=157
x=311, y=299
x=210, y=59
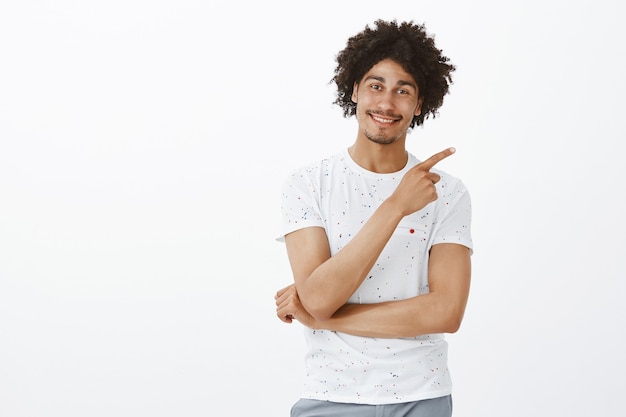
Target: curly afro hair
x=409, y=45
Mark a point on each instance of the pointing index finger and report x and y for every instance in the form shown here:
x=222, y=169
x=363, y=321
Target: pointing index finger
x=439, y=156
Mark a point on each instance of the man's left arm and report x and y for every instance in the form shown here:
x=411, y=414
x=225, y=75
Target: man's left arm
x=439, y=311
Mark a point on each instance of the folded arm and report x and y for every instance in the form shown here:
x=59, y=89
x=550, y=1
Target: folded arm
x=325, y=283
x=439, y=311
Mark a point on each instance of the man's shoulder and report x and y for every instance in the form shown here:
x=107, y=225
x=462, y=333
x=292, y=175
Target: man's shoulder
x=319, y=166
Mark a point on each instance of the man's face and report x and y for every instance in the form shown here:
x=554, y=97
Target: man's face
x=386, y=100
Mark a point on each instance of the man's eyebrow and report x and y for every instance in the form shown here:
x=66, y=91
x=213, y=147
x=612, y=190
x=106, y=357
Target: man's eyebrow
x=382, y=80
x=375, y=77
x=409, y=83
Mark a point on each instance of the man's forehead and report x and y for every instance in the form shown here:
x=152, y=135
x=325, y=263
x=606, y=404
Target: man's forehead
x=389, y=71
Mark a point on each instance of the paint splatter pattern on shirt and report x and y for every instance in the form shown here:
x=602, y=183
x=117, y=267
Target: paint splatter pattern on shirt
x=340, y=196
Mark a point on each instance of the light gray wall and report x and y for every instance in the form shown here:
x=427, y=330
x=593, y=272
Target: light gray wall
x=142, y=147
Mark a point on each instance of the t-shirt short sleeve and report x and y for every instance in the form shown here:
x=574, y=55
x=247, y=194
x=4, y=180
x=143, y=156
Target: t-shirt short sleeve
x=300, y=206
x=455, y=224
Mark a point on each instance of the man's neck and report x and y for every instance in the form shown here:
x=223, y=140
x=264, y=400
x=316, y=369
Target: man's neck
x=379, y=158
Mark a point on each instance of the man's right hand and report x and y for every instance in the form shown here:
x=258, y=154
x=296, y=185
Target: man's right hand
x=417, y=187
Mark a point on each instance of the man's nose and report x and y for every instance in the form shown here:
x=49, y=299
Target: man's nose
x=386, y=101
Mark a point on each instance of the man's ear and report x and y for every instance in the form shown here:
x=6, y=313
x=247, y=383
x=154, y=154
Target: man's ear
x=355, y=94
x=418, y=109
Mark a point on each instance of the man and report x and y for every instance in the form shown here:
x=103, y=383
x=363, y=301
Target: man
x=379, y=243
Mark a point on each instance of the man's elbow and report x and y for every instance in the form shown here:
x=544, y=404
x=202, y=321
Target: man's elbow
x=452, y=322
x=319, y=310
x=452, y=326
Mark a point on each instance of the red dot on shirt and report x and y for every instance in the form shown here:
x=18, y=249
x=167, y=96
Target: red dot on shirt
x=412, y=231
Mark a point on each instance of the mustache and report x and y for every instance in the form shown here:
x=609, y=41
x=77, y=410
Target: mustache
x=384, y=114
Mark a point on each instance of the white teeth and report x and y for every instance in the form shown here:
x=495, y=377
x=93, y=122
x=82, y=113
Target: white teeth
x=380, y=120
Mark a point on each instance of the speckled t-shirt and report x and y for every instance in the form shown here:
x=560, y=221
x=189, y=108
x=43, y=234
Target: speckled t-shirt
x=340, y=196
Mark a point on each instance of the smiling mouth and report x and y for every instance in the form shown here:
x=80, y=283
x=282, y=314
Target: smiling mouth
x=383, y=120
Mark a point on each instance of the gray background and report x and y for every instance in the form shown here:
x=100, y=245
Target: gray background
x=142, y=148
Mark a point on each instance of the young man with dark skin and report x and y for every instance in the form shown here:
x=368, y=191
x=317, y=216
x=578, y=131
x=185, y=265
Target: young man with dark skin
x=379, y=243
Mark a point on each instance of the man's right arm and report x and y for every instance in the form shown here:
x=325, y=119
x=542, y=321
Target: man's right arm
x=325, y=283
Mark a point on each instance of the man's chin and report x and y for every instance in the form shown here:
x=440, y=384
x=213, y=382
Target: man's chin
x=382, y=139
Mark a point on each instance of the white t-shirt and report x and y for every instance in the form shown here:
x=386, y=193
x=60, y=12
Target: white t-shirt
x=340, y=196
